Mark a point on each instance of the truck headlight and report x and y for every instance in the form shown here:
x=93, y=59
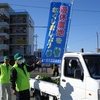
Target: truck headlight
x=99, y=94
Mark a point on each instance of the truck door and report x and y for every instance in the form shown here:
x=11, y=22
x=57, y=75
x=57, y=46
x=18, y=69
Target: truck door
x=72, y=88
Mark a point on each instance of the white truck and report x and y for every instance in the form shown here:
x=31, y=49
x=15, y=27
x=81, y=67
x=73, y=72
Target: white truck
x=79, y=79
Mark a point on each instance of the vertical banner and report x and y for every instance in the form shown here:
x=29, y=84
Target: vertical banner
x=56, y=35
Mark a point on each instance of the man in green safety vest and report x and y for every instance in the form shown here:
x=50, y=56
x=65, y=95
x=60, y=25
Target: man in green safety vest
x=5, y=69
x=20, y=78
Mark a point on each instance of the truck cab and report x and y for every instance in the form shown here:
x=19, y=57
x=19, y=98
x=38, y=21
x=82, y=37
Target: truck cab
x=80, y=76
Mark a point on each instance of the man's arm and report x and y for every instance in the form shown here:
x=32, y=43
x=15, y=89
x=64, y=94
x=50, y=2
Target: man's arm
x=33, y=66
x=13, y=77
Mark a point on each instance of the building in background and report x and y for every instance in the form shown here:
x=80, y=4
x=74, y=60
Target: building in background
x=16, y=32
x=38, y=53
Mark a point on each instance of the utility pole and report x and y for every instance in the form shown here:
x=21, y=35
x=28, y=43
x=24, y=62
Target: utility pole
x=36, y=36
x=36, y=42
x=98, y=50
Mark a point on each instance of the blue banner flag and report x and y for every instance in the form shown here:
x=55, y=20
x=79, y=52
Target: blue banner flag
x=56, y=35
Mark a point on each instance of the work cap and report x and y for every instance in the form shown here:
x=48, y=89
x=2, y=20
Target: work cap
x=6, y=57
x=17, y=56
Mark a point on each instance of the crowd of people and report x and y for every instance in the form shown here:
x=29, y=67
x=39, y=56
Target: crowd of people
x=15, y=79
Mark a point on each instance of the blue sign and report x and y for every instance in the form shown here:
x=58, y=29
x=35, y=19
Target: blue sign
x=56, y=35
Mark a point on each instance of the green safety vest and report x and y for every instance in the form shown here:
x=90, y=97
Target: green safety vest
x=22, y=81
x=5, y=73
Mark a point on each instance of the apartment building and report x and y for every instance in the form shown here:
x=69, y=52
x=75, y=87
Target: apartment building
x=16, y=32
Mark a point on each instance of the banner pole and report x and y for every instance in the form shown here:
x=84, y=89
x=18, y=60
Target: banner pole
x=72, y=4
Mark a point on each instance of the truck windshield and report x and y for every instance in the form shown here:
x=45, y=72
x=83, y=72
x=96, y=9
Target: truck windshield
x=93, y=65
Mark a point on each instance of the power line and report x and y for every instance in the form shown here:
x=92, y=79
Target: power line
x=86, y=24
x=86, y=10
x=30, y=6
x=49, y=8
x=40, y=26
x=83, y=39
x=71, y=25
x=76, y=40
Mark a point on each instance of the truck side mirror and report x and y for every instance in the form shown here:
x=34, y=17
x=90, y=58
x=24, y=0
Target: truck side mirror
x=78, y=74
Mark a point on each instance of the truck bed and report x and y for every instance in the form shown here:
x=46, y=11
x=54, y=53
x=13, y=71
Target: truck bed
x=45, y=87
